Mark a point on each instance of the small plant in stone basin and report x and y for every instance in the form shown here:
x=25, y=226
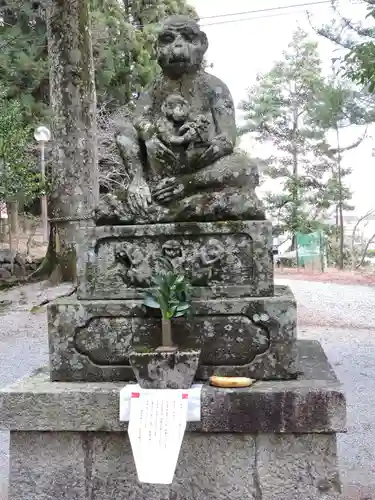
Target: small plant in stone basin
x=171, y=294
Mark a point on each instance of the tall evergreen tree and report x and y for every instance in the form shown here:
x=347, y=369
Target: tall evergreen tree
x=277, y=111
x=123, y=43
x=339, y=106
x=19, y=182
x=296, y=110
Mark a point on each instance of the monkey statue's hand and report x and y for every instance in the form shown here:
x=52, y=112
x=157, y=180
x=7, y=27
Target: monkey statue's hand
x=220, y=146
x=188, y=132
x=139, y=196
x=168, y=190
x=157, y=150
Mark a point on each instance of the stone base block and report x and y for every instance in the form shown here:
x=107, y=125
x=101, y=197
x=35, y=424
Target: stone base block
x=100, y=466
x=221, y=259
x=314, y=403
x=272, y=441
x=251, y=336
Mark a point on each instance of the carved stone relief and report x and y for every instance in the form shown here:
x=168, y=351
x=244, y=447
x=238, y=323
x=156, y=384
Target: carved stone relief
x=206, y=261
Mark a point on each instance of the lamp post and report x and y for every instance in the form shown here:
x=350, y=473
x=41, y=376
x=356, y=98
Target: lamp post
x=42, y=135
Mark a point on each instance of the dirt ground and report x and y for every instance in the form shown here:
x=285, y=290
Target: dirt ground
x=331, y=275
x=358, y=493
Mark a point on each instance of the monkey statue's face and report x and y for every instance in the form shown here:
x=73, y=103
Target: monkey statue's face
x=176, y=109
x=212, y=252
x=181, y=46
x=172, y=249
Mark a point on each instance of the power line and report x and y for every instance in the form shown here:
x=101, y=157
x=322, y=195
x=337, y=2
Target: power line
x=275, y=11
x=269, y=9
x=268, y=16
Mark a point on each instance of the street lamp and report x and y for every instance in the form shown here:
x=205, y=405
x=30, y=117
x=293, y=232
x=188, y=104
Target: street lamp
x=43, y=135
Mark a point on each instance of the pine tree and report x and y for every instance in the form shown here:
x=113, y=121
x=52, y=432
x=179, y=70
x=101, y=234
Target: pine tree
x=24, y=55
x=277, y=112
x=339, y=106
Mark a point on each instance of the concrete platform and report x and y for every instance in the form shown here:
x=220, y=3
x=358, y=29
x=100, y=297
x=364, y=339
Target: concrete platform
x=274, y=441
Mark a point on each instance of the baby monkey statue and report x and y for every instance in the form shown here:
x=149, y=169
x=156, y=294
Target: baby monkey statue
x=180, y=154
x=176, y=130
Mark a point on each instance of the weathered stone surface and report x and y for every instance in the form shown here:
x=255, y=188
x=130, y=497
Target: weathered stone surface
x=11, y=263
x=165, y=370
x=310, y=464
x=37, y=404
x=100, y=466
x=180, y=149
x=222, y=259
x=229, y=410
x=255, y=337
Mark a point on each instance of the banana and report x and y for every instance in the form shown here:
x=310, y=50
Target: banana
x=231, y=381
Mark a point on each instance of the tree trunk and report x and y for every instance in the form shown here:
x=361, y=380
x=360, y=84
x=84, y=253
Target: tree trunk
x=49, y=263
x=321, y=252
x=353, y=252
x=340, y=208
x=12, y=208
x=75, y=187
x=295, y=192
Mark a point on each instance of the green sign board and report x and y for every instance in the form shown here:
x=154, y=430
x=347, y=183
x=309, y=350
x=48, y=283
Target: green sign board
x=309, y=246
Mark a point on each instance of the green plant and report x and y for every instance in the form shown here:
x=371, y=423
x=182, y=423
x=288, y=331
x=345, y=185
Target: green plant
x=170, y=294
x=18, y=178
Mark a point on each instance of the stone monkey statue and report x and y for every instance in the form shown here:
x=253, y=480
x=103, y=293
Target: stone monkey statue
x=213, y=181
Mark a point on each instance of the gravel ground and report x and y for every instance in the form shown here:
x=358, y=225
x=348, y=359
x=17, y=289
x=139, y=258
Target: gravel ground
x=23, y=345
x=340, y=316
x=344, y=316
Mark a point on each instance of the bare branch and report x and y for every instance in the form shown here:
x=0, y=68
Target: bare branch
x=112, y=172
x=364, y=217
x=365, y=251
x=333, y=151
x=331, y=36
x=347, y=23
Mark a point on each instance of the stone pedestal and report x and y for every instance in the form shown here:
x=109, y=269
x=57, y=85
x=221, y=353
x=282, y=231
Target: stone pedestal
x=273, y=441
x=255, y=337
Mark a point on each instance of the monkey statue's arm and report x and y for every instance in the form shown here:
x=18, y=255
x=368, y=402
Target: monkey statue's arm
x=210, y=174
x=138, y=192
x=165, y=132
x=223, y=115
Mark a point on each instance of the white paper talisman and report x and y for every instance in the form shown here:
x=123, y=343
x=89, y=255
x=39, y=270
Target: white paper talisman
x=194, y=402
x=156, y=428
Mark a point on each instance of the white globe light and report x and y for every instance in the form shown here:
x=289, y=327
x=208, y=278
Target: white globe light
x=42, y=134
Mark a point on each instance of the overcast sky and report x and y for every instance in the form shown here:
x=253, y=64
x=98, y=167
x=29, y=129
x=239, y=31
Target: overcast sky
x=239, y=50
